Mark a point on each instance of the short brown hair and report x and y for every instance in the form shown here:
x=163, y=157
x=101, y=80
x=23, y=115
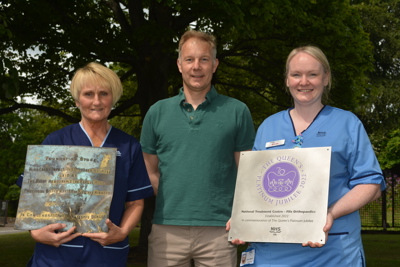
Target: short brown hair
x=206, y=37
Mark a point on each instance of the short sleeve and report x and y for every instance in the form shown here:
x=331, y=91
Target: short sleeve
x=147, y=136
x=246, y=133
x=363, y=165
x=139, y=186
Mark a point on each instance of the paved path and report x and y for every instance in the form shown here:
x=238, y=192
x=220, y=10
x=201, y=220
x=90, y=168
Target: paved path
x=9, y=228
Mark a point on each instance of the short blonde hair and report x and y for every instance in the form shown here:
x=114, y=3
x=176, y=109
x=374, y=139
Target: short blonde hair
x=316, y=53
x=96, y=74
x=205, y=37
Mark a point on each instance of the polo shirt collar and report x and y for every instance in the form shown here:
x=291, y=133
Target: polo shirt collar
x=212, y=94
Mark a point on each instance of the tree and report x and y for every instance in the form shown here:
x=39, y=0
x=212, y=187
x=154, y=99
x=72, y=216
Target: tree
x=379, y=106
x=141, y=37
x=138, y=38
x=17, y=131
x=8, y=83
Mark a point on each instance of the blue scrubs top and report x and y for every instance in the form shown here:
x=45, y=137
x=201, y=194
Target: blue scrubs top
x=353, y=162
x=131, y=183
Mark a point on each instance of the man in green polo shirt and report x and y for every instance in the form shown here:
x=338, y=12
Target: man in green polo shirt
x=191, y=144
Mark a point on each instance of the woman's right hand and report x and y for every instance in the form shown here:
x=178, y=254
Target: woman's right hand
x=48, y=235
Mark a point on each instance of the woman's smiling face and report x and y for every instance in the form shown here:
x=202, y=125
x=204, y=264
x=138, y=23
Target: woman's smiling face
x=95, y=103
x=306, y=79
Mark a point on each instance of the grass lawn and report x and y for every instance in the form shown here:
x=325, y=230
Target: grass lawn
x=382, y=250
x=16, y=249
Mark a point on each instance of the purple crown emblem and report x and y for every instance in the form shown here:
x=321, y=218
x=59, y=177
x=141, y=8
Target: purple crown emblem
x=281, y=179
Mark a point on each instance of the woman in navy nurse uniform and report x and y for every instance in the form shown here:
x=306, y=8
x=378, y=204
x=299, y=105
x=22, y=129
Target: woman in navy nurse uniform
x=95, y=90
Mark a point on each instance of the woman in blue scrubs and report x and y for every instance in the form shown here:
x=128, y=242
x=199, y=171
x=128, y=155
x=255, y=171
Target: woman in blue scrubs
x=355, y=176
x=95, y=90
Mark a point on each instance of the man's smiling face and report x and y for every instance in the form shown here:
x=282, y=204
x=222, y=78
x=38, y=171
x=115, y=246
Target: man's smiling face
x=197, y=65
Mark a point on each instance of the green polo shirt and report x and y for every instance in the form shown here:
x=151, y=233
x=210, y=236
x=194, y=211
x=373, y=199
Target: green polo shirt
x=196, y=149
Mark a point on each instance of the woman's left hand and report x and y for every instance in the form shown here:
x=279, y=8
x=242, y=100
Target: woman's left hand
x=115, y=234
x=326, y=229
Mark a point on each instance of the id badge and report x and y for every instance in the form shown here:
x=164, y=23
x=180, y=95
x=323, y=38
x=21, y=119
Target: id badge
x=275, y=143
x=248, y=257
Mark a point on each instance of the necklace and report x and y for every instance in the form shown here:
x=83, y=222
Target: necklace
x=298, y=140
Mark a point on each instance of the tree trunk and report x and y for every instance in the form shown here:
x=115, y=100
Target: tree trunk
x=153, y=73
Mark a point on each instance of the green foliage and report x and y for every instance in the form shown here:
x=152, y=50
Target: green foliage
x=382, y=22
x=253, y=61
x=254, y=38
x=378, y=107
x=9, y=80
x=17, y=131
x=13, y=193
x=129, y=124
x=3, y=190
x=4, y=31
x=391, y=147
x=140, y=40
